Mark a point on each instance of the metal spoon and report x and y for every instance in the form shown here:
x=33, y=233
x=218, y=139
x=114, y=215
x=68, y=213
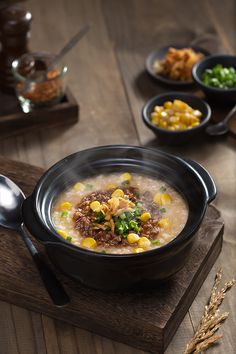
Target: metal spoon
x=222, y=127
x=69, y=45
x=28, y=63
x=11, y=199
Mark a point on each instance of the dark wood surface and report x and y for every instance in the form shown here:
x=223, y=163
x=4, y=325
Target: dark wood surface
x=15, y=122
x=144, y=319
x=106, y=75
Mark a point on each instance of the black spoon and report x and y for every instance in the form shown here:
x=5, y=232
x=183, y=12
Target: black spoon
x=222, y=127
x=11, y=199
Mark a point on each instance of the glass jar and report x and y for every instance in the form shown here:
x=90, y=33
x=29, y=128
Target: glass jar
x=38, y=83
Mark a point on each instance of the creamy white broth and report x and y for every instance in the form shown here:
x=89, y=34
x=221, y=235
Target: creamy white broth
x=176, y=211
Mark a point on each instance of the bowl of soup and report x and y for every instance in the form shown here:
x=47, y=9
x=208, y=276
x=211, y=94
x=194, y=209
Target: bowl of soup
x=119, y=217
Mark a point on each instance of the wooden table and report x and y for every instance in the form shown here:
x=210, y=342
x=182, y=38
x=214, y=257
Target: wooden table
x=107, y=77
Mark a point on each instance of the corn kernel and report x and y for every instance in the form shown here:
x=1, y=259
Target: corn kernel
x=66, y=206
x=145, y=217
x=180, y=104
x=164, y=223
x=138, y=250
x=62, y=233
x=197, y=113
x=155, y=120
x=89, y=242
x=95, y=206
x=144, y=242
x=157, y=108
x=164, y=114
x=168, y=104
x=163, y=124
x=79, y=186
x=132, y=238
x=162, y=198
x=154, y=115
x=174, y=119
x=126, y=177
x=118, y=193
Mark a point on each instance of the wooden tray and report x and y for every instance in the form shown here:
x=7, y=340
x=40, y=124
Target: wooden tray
x=146, y=320
x=13, y=121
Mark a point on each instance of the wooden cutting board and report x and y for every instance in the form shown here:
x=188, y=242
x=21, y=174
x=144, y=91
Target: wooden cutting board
x=146, y=320
x=14, y=122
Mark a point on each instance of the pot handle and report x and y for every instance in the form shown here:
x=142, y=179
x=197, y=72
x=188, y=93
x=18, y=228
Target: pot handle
x=31, y=222
x=207, y=179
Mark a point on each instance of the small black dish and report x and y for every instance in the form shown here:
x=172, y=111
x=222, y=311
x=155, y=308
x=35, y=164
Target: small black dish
x=159, y=55
x=177, y=137
x=216, y=94
x=119, y=271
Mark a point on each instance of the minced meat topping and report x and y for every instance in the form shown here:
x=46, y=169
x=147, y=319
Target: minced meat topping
x=110, y=216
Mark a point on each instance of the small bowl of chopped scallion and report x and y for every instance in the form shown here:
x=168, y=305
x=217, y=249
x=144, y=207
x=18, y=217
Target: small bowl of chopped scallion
x=216, y=76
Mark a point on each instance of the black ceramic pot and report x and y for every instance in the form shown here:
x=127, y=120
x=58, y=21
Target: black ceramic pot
x=109, y=271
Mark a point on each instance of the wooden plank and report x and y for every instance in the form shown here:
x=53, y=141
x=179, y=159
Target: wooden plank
x=222, y=15
x=8, y=340
x=24, y=330
x=50, y=335
x=66, y=338
x=37, y=328
x=150, y=327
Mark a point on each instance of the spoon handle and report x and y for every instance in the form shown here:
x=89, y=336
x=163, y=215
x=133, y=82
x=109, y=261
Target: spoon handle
x=230, y=114
x=52, y=284
x=72, y=42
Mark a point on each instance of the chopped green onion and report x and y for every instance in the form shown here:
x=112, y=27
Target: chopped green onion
x=89, y=186
x=125, y=184
x=220, y=77
x=162, y=210
x=69, y=238
x=163, y=189
x=134, y=225
x=128, y=215
x=121, y=227
x=64, y=214
x=99, y=217
x=156, y=242
x=137, y=211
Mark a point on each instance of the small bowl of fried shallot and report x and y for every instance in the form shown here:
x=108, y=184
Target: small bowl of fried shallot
x=172, y=65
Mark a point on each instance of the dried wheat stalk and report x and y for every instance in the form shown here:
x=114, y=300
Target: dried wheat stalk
x=211, y=320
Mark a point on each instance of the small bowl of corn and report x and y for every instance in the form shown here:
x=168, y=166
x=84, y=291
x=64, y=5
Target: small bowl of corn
x=176, y=118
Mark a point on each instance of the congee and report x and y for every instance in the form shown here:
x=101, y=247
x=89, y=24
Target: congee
x=119, y=213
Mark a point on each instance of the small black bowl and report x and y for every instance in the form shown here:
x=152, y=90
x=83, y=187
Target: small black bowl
x=119, y=271
x=216, y=94
x=159, y=55
x=180, y=136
